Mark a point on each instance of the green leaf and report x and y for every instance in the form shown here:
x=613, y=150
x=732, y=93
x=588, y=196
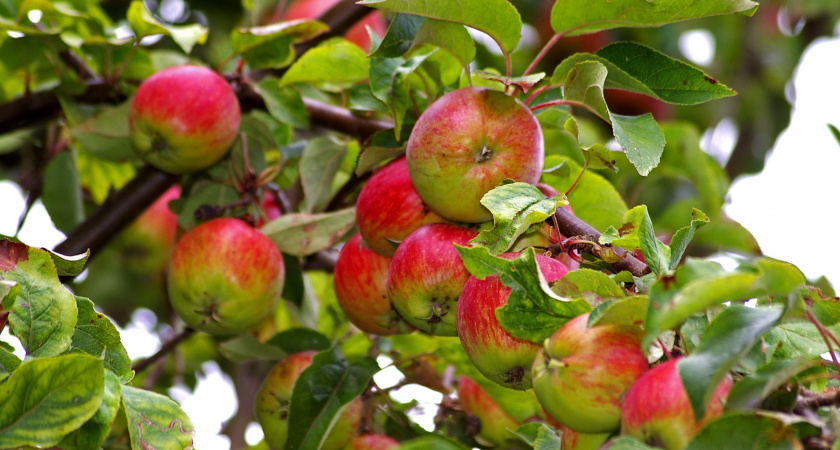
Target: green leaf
x=527, y=433
x=680, y=240
x=432, y=441
x=271, y=46
x=398, y=39
x=62, y=194
x=584, y=86
x=390, y=83
x=593, y=286
x=69, y=265
x=523, y=83
x=628, y=443
x=96, y=336
x=497, y=18
x=304, y=234
x=599, y=157
x=745, y=430
x=336, y=63
x=641, y=139
x=145, y=24
x=319, y=163
x=46, y=398
x=155, y=421
x=321, y=392
x=296, y=340
x=748, y=393
x=246, y=347
x=515, y=207
x=452, y=37
x=100, y=176
x=93, y=432
x=533, y=311
x=574, y=17
x=732, y=333
x=796, y=339
x=284, y=103
x=622, y=311
x=371, y=156
x=44, y=314
x=636, y=232
x=834, y=132
x=106, y=134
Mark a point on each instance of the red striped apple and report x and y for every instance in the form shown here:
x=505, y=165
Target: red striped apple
x=495, y=421
x=465, y=144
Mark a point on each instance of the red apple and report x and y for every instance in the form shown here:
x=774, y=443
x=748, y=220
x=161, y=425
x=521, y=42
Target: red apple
x=275, y=395
x=583, y=372
x=361, y=286
x=150, y=239
x=427, y=275
x=225, y=276
x=657, y=410
x=465, y=144
x=357, y=34
x=183, y=119
x=495, y=353
x=389, y=209
x=495, y=421
x=372, y=442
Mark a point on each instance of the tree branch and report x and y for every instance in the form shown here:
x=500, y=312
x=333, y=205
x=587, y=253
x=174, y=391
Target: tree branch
x=167, y=347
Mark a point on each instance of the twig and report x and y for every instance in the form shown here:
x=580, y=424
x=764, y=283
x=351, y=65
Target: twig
x=167, y=347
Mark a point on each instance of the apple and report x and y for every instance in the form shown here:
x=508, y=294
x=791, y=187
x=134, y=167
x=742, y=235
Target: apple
x=361, y=286
x=427, y=275
x=499, y=356
x=389, y=209
x=183, y=119
x=372, y=442
x=465, y=144
x=575, y=440
x=657, y=410
x=275, y=395
x=495, y=421
x=225, y=276
x=149, y=240
x=582, y=373
x=357, y=34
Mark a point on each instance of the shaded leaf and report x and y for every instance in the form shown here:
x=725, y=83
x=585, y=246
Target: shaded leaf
x=626, y=443
x=398, y=39
x=641, y=139
x=389, y=82
x=69, y=265
x=452, y=37
x=246, y=347
x=296, y=340
x=319, y=163
x=584, y=86
x=622, y=311
x=106, y=134
x=304, y=234
x=272, y=45
x=745, y=430
x=96, y=336
x=62, y=195
x=284, y=103
x=748, y=393
x=155, y=421
x=684, y=235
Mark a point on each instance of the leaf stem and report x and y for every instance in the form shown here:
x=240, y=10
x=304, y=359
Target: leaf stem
x=537, y=92
x=552, y=103
x=551, y=42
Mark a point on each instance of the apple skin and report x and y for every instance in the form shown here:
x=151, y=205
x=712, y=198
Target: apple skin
x=357, y=34
x=272, y=405
x=361, y=286
x=499, y=356
x=225, y=276
x=465, y=144
x=494, y=420
x=389, y=208
x=150, y=239
x=183, y=119
x=657, y=410
x=373, y=442
x=427, y=275
x=582, y=373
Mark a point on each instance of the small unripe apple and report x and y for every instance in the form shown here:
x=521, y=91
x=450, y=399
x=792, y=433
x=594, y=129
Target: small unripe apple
x=496, y=353
x=495, y=421
x=465, y=144
x=183, y=119
x=373, y=442
x=275, y=395
x=657, y=409
x=582, y=374
x=361, y=287
x=427, y=275
x=225, y=276
x=389, y=208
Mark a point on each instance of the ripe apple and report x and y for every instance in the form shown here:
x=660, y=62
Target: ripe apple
x=465, y=144
x=494, y=420
x=495, y=353
x=427, y=275
x=575, y=440
x=225, y=276
x=389, y=208
x=357, y=34
x=361, y=286
x=657, y=410
x=583, y=372
x=373, y=442
x=275, y=395
x=183, y=119
x=149, y=240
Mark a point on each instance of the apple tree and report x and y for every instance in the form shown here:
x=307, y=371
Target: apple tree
x=504, y=201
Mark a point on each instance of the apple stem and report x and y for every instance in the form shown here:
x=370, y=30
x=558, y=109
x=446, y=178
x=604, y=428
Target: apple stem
x=551, y=42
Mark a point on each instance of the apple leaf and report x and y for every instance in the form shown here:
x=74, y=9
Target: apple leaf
x=304, y=234
x=246, y=347
x=627, y=443
x=796, y=339
x=69, y=265
x=732, y=333
x=145, y=24
x=620, y=311
x=725, y=234
x=46, y=398
x=748, y=393
x=96, y=336
x=382, y=146
x=452, y=37
x=62, y=194
x=591, y=284
x=320, y=394
x=523, y=83
x=527, y=432
x=8, y=362
x=43, y=316
x=584, y=86
x=533, y=311
x=574, y=17
x=515, y=207
x=431, y=440
x=746, y=430
x=319, y=163
x=155, y=421
x=389, y=82
x=599, y=157
x=497, y=18
x=400, y=35
x=93, y=432
x=684, y=235
x=641, y=139
x=336, y=64
x=636, y=232
x=106, y=134
x=284, y=103
x=271, y=46
x=709, y=178
x=100, y=176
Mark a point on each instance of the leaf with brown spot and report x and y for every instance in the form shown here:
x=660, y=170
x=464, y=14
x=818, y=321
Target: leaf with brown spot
x=11, y=253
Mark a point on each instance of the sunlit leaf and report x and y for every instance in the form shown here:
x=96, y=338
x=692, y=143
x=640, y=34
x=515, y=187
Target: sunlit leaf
x=304, y=234
x=337, y=63
x=96, y=336
x=271, y=45
x=155, y=421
